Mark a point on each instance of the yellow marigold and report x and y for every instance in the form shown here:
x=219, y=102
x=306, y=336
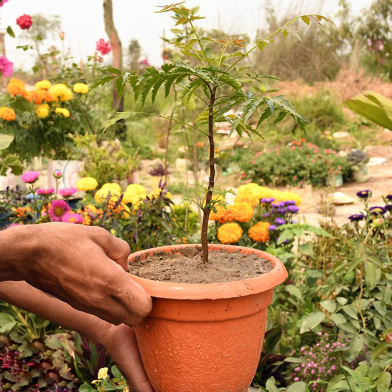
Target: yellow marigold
x=102, y=194
x=220, y=215
x=241, y=212
x=259, y=232
x=7, y=114
x=262, y=192
x=80, y=88
x=87, y=184
x=40, y=96
x=64, y=112
x=229, y=233
x=43, y=85
x=42, y=111
x=136, y=188
x=246, y=188
x=16, y=87
x=60, y=92
x=247, y=198
x=133, y=198
x=286, y=196
x=112, y=185
x=91, y=208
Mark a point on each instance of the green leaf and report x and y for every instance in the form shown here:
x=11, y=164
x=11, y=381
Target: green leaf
x=299, y=386
x=355, y=347
x=329, y=305
x=311, y=321
x=270, y=385
x=342, y=300
x=86, y=388
x=7, y=327
x=10, y=32
x=379, y=349
x=370, y=273
x=101, y=82
x=112, y=70
x=306, y=19
x=351, y=310
x=338, y=318
x=355, y=377
x=383, y=382
x=120, y=87
x=118, y=116
x=116, y=372
x=293, y=290
x=5, y=141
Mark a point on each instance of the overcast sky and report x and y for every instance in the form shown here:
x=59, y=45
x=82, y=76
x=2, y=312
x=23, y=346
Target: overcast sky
x=82, y=21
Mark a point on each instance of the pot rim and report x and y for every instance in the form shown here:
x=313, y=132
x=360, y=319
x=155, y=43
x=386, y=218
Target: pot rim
x=200, y=291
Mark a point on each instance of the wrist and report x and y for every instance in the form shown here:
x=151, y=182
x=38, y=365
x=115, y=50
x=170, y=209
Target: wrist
x=19, y=247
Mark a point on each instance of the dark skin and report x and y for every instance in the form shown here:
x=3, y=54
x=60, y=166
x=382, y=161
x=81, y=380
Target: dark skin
x=83, y=270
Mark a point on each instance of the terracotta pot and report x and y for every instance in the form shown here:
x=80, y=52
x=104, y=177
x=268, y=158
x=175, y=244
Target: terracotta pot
x=205, y=337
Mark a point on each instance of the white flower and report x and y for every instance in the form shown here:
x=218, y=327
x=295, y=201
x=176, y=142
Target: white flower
x=103, y=373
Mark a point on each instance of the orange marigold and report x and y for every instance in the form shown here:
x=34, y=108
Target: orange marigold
x=247, y=198
x=229, y=233
x=42, y=96
x=259, y=232
x=7, y=114
x=15, y=87
x=241, y=212
x=220, y=215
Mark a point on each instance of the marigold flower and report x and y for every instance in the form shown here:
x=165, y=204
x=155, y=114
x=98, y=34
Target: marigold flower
x=64, y=112
x=262, y=192
x=220, y=215
x=16, y=87
x=102, y=194
x=259, y=232
x=30, y=177
x=40, y=96
x=43, y=85
x=72, y=217
x=42, y=111
x=57, y=209
x=230, y=233
x=241, y=212
x=132, y=198
x=7, y=114
x=247, y=198
x=87, y=184
x=136, y=188
x=112, y=185
x=6, y=66
x=103, y=47
x=288, y=196
x=24, y=22
x=246, y=188
x=80, y=88
x=60, y=93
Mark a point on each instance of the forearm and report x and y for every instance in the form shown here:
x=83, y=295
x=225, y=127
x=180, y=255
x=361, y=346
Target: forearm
x=23, y=295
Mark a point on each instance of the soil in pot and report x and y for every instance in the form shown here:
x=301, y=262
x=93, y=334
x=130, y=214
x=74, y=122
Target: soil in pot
x=187, y=267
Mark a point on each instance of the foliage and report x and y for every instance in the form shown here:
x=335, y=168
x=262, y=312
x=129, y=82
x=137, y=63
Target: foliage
x=186, y=217
x=9, y=161
x=357, y=158
x=107, y=162
x=372, y=106
x=295, y=164
x=107, y=383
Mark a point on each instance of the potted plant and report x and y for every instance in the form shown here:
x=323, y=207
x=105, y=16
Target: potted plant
x=206, y=329
x=158, y=175
x=357, y=160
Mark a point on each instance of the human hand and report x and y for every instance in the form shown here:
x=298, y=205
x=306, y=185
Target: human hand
x=83, y=266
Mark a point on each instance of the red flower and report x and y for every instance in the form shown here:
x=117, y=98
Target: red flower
x=103, y=47
x=24, y=22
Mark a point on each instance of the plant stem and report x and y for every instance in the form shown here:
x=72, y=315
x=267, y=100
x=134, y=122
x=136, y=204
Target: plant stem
x=211, y=182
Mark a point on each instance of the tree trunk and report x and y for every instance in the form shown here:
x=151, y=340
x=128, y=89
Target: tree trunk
x=114, y=39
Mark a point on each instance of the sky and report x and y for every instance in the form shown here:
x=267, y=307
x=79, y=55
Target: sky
x=82, y=21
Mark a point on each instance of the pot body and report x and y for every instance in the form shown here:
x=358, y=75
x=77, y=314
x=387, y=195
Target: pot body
x=361, y=174
x=209, y=336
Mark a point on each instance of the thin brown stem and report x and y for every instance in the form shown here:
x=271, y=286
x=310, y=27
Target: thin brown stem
x=211, y=182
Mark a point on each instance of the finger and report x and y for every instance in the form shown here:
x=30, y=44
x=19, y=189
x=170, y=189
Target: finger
x=116, y=249
x=131, y=366
x=132, y=295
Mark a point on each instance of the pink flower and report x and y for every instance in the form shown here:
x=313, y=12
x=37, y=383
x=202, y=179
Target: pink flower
x=61, y=34
x=58, y=209
x=316, y=151
x=72, y=217
x=24, y=22
x=296, y=378
x=103, y=47
x=67, y=192
x=57, y=174
x=144, y=62
x=253, y=162
x=327, y=151
x=258, y=154
x=30, y=177
x=6, y=67
x=2, y=2
x=45, y=191
x=278, y=153
x=292, y=148
x=313, y=160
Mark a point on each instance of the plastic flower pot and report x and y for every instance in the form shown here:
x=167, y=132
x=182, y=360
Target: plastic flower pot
x=205, y=337
x=361, y=174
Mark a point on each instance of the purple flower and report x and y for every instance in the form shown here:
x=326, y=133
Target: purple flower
x=292, y=209
x=280, y=221
x=30, y=177
x=45, y=191
x=377, y=210
x=281, y=204
x=266, y=215
x=67, y=192
x=272, y=227
x=281, y=211
x=6, y=67
x=388, y=207
x=366, y=194
x=356, y=217
x=57, y=174
x=389, y=197
x=267, y=200
x=289, y=203
x=274, y=205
